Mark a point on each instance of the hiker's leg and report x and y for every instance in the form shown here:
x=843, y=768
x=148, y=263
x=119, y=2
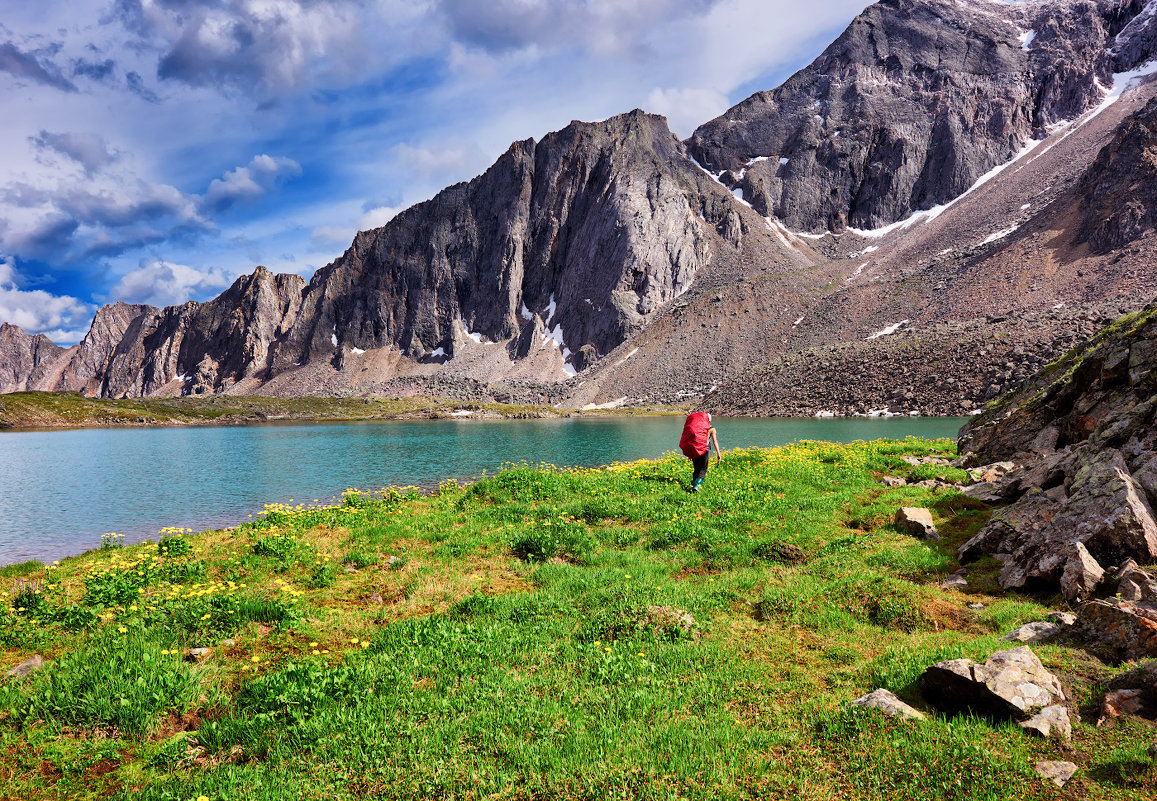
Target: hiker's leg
x=700, y=463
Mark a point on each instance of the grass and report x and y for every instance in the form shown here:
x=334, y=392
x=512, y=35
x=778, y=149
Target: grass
x=21, y=410
x=543, y=633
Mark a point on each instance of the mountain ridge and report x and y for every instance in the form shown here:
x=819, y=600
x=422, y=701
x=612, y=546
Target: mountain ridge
x=609, y=262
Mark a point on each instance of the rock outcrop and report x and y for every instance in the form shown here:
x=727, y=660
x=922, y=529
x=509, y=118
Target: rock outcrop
x=1085, y=434
x=24, y=359
x=1119, y=191
x=1010, y=685
x=913, y=103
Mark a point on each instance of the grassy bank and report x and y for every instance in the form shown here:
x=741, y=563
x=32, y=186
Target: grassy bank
x=540, y=634
x=24, y=410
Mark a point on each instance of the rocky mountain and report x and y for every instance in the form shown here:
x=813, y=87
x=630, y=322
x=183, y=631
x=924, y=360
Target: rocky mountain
x=24, y=359
x=913, y=104
x=1119, y=192
x=610, y=263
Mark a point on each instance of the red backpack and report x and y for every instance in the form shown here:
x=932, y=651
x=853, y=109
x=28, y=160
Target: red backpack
x=693, y=443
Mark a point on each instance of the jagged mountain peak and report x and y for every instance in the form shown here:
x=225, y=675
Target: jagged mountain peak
x=604, y=250
x=911, y=105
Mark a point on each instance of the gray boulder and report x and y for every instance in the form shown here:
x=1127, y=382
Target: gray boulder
x=917, y=522
x=889, y=704
x=957, y=581
x=28, y=666
x=1010, y=685
x=1052, y=721
x=1058, y=773
x=1136, y=585
x=1033, y=632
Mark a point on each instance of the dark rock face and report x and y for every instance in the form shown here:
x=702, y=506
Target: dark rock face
x=1088, y=506
x=1118, y=631
x=1119, y=191
x=24, y=359
x=582, y=237
x=912, y=104
x=574, y=243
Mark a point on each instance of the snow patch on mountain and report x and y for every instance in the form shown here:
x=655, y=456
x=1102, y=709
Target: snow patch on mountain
x=883, y=332
x=927, y=215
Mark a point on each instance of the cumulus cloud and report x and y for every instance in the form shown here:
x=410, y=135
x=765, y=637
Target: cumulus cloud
x=75, y=221
x=248, y=182
x=686, y=109
x=64, y=319
x=163, y=283
x=86, y=149
x=607, y=26
x=27, y=65
x=270, y=45
x=111, y=212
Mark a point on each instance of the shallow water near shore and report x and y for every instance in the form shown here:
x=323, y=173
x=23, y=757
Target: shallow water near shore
x=61, y=490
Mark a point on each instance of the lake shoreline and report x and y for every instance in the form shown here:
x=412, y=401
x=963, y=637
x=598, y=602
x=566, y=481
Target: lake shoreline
x=137, y=480
x=59, y=411
x=49, y=411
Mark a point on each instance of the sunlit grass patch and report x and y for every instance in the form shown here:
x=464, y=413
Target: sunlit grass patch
x=545, y=632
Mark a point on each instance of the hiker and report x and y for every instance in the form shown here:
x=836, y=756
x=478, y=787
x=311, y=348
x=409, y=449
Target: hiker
x=698, y=436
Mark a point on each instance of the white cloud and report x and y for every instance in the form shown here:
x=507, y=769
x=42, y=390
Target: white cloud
x=273, y=46
x=687, y=109
x=87, y=149
x=245, y=183
x=64, y=319
x=602, y=26
x=163, y=283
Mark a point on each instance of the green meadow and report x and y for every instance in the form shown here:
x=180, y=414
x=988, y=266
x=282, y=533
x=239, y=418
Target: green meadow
x=543, y=633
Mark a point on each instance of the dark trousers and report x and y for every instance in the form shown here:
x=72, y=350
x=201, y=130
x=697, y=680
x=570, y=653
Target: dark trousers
x=700, y=464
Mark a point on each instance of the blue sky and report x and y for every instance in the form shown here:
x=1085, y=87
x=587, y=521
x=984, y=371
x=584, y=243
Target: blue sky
x=154, y=150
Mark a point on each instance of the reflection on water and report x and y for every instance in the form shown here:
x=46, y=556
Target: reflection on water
x=60, y=490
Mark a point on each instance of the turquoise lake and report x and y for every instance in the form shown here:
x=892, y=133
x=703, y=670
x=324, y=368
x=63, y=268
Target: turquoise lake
x=61, y=490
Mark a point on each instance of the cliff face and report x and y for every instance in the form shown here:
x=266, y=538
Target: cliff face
x=913, y=103
x=581, y=237
x=1119, y=191
x=24, y=359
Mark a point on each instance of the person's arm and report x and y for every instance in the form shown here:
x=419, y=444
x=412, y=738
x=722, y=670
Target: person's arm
x=718, y=453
